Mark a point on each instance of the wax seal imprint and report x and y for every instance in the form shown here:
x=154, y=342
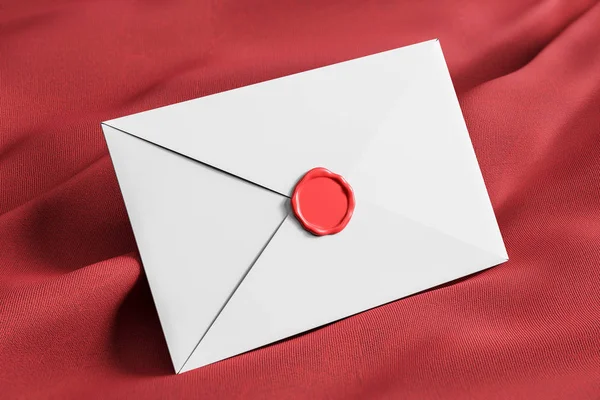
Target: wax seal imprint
x=323, y=202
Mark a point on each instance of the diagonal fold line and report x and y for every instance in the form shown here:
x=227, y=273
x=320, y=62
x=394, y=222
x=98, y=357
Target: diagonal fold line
x=232, y=293
x=439, y=231
x=196, y=160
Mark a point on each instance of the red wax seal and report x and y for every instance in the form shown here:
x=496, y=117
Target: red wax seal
x=323, y=202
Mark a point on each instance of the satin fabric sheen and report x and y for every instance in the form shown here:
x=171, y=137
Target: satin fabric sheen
x=76, y=315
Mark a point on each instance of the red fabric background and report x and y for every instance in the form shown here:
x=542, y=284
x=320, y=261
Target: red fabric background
x=76, y=315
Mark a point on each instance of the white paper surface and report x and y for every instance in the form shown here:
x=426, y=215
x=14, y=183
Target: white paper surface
x=390, y=123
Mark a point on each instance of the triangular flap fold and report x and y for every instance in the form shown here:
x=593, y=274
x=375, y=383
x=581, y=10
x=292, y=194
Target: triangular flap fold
x=198, y=231
x=301, y=282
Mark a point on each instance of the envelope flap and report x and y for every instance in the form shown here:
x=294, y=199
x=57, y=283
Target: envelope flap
x=273, y=132
x=380, y=257
x=187, y=219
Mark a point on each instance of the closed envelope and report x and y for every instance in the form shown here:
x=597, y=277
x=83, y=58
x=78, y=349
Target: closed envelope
x=207, y=184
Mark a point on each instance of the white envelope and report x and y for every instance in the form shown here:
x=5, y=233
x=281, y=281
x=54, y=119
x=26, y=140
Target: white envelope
x=207, y=183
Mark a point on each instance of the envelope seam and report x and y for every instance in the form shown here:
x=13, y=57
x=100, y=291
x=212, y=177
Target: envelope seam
x=233, y=293
x=196, y=160
x=439, y=231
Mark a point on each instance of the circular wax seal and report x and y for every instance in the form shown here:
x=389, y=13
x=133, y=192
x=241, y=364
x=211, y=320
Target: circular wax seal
x=323, y=202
